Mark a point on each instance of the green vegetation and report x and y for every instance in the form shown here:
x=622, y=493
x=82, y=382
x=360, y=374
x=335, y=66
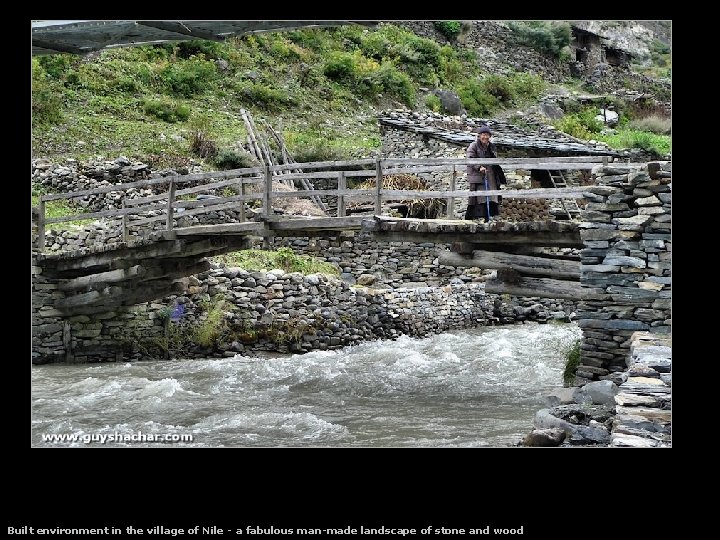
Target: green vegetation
x=168, y=111
x=582, y=125
x=483, y=97
x=209, y=330
x=283, y=258
x=631, y=138
x=449, y=29
x=140, y=101
x=320, y=87
x=433, y=102
x=572, y=361
x=46, y=104
x=549, y=38
x=649, y=137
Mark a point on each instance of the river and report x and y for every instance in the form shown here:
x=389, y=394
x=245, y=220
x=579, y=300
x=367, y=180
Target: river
x=478, y=387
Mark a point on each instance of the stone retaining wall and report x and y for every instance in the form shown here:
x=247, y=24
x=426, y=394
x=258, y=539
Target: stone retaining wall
x=267, y=311
x=628, y=256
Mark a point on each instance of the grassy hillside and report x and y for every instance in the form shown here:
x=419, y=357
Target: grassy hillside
x=167, y=103
x=320, y=86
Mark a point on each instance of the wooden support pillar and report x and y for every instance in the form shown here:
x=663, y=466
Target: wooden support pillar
x=242, y=203
x=171, y=200
x=125, y=219
x=41, y=225
x=378, y=187
x=451, y=200
x=342, y=186
x=267, y=208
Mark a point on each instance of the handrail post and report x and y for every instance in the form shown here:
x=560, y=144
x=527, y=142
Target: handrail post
x=41, y=225
x=378, y=187
x=242, y=202
x=342, y=185
x=451, y=200
x=171, y=200
x=268, y=188
x=125, y=220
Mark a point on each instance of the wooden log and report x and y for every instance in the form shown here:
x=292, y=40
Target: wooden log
x=378, y=187
x=450, y=212
x=221, y=228
x=544, y=288
x=41, y=225
x=523, y=264
x=170, y=201
x=267, y=209
x=342, y=185
x=298, y=224
x=112, y=276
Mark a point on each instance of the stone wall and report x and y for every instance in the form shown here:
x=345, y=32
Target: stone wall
x=267, y=311
x=627, y=255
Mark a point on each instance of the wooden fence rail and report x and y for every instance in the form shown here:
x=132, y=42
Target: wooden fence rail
x=170, y=207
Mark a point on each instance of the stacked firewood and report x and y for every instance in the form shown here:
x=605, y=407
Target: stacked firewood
x=525, y=209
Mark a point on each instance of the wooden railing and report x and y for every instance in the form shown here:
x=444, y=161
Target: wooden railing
x=168, y=201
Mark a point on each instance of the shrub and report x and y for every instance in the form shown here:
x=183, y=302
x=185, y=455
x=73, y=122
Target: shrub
x=201, y=143
x=653, y=124
x=46, y=104
x=572, y=361
x=167, y=111
x=582, y=125
x=265, y=96
x=57, y=66
x=544, y=36
x=232, y=159
x=339, y=66
x=449, y=29
x=208, y=332
x=630, y=138
x=500, y=88
x=527, y=86
x=188, y=49
x=395, y=83
x=189, y=77
x=320, y=149
x=433, y=102
x=476, y=100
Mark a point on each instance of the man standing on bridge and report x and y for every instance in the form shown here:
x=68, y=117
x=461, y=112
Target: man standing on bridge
x=481, y=178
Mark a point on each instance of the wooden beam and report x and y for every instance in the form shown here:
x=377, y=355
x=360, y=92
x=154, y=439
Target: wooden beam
x=224, y=228
x=524, y=264
x=112, y=276
x=548, y=239
x=284, y=224
x=544, y=288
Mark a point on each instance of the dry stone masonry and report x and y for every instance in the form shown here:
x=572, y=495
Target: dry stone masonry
x=627, y=256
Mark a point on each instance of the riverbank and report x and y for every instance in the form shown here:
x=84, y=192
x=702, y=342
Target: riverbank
x=631, y=408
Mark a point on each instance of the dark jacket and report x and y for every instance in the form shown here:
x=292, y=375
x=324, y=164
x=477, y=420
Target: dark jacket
x=475, y=150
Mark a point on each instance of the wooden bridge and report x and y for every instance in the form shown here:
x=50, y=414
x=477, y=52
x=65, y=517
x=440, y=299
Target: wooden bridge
x=157, y=248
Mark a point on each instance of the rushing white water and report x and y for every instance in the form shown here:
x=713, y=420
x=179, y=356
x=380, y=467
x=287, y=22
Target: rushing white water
x=478, y=387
